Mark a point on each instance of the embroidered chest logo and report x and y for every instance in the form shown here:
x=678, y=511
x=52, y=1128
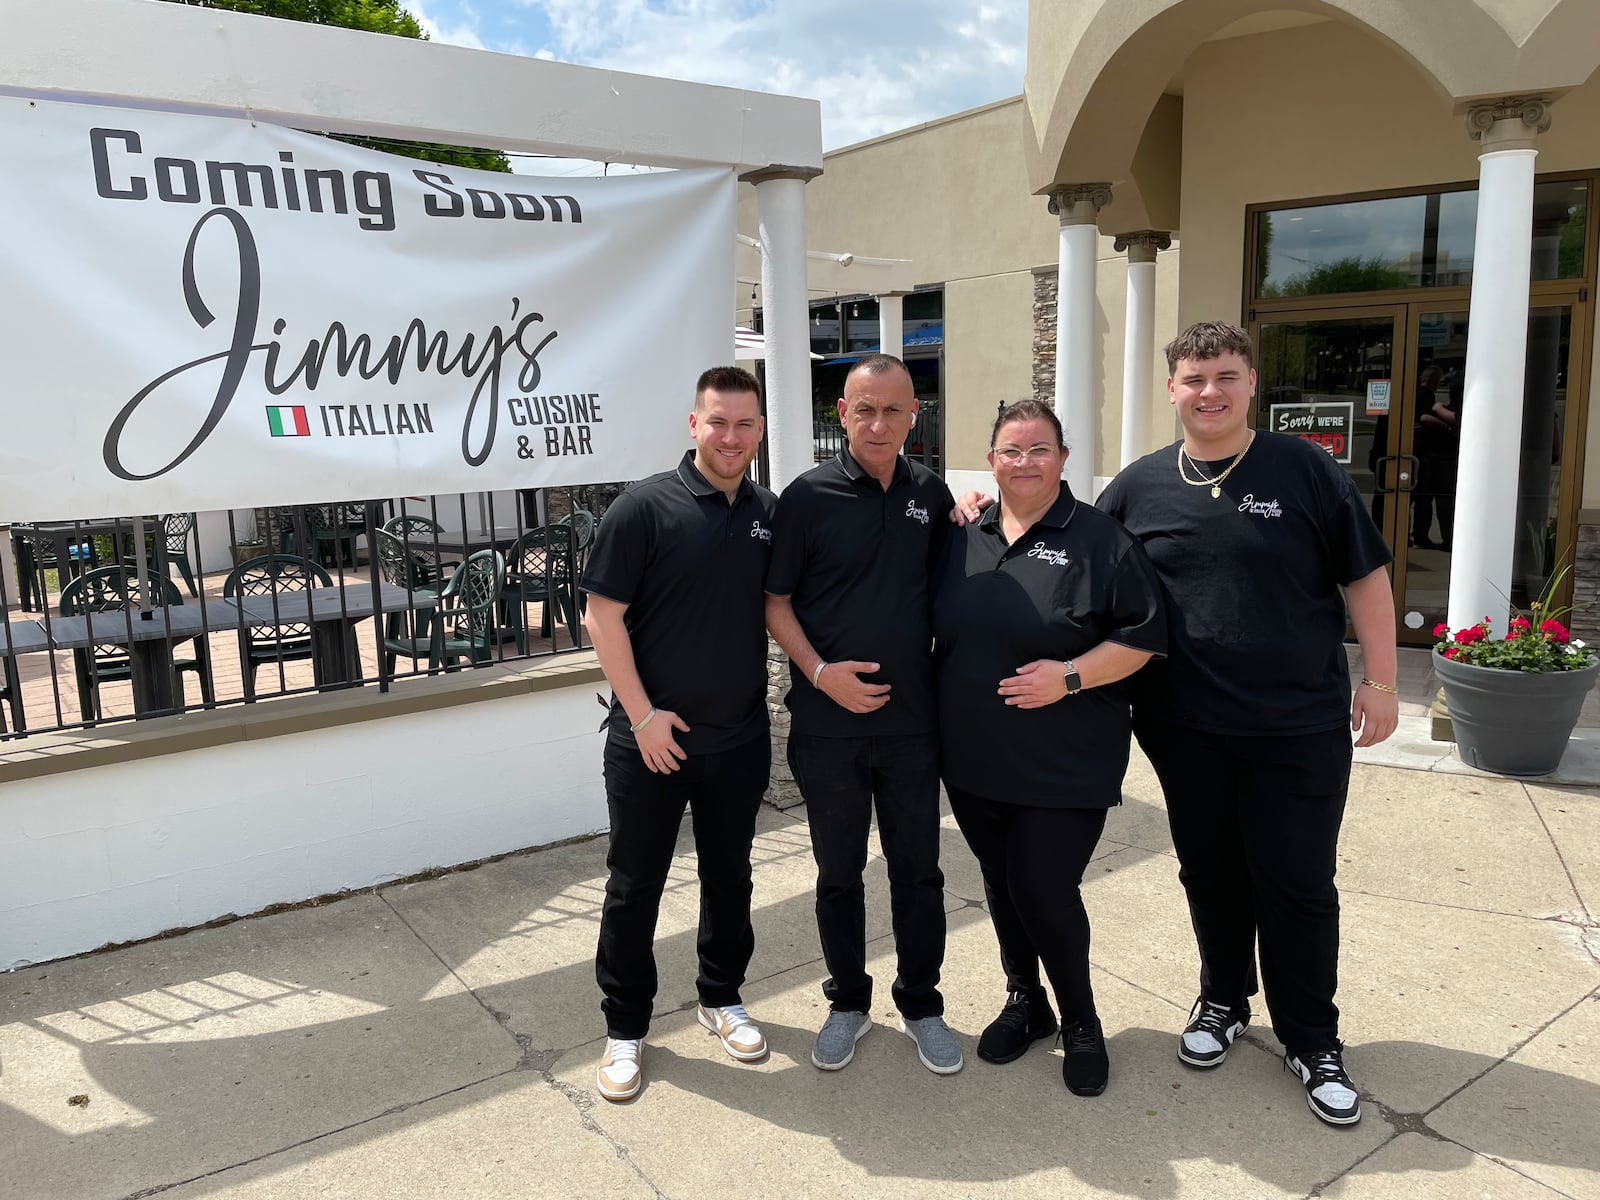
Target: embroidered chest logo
x=757, y=530
x=1056, y=558
x=915, y=513
x=1260, y=508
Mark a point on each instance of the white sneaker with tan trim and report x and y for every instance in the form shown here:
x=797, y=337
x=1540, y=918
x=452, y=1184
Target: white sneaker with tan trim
x=620, y=1076
x=740, y=1037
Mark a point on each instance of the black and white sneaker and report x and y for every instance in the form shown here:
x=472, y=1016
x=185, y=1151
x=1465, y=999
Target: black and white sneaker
x=1329, y=1091
x=1211, y=1030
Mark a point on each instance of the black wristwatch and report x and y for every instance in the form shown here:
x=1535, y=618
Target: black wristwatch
x=1074, y=680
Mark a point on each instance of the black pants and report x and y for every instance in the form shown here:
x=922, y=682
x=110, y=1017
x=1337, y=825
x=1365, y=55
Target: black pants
x=723, y=792
x=1033, y=861
x=1255, y=822
x=841, y=779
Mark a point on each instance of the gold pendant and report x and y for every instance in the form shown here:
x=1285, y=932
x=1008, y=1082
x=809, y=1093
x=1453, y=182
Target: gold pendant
x=1215, y=491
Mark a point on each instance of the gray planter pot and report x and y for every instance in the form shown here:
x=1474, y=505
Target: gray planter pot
x=1513, y=722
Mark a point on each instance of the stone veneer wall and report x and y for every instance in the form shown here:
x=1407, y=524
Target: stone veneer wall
x=1586, y=586
x=1045, y=281
x=782, y=791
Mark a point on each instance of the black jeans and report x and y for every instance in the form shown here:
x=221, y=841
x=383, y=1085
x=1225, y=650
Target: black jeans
x=723, y=793
x=841, y=779
x=1255, y=822
x=1033, y=860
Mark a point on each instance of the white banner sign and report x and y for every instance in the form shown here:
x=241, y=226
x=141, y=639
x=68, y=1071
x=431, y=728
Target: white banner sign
x=204, y=313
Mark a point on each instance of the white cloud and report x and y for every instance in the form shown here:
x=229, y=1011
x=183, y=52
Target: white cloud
x=876, y=67
x=463, y=33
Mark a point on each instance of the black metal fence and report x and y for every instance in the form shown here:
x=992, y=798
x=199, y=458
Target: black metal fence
x=110, y=619
x=924, y=444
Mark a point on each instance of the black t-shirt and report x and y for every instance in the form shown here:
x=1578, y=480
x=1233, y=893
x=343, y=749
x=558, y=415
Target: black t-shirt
x=689, y=566
x=855, y=558
x=1074, y=580
x=1255, y=618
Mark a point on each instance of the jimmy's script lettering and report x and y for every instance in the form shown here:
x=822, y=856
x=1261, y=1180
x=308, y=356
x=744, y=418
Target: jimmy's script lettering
x=472, y=356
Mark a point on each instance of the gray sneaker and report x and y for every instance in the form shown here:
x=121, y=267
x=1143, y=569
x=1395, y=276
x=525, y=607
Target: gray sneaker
x=936, y=1045
x=836, y=1040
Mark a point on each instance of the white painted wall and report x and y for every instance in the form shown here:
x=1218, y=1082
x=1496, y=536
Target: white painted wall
x=114, y=853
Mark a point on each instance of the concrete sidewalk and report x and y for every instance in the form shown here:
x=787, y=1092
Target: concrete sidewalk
x=438, y=1039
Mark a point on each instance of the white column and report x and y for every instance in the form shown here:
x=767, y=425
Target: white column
x=1491, y=409
x=1076, y=206
x=1139, y=338
x=891, y=324
x=781, y=217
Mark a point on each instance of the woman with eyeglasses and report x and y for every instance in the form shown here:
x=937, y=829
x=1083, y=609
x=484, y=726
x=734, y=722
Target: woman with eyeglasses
x=1042, y=608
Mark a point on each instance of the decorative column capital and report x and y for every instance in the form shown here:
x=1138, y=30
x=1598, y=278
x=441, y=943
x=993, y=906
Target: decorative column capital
x=1142, y=245
x=1078, y=203
x=765, y=174
x=1510, y=122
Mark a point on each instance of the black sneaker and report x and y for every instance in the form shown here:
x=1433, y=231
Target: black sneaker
x=1329, y=1091
x=1025, y=1019
x=1087, y=1066
x=1211, y=1030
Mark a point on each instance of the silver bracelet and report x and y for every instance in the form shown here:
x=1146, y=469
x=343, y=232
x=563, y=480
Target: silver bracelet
x=817, y=673
x=642, y=721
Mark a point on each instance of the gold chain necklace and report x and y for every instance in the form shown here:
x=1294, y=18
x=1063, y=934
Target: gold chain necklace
x=1216, y=483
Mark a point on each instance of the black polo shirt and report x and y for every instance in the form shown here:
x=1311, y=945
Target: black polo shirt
x=1074, y=580
x=855, y=558
x=690, y=566
x=1251, y=579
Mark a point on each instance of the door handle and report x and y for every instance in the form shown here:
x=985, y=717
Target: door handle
x=1407, y=480
x=1377, y=474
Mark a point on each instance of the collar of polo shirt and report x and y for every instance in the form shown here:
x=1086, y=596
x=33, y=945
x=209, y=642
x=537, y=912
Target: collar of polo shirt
x=856, y=472
x=1056, y=516
x=700, y=486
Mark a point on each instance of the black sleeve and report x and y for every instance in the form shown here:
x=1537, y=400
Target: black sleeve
x=621, y=549
x=1356, y=547
x=1138, y=617
x=788, y=563
x=1113, y=501
x=942, y=530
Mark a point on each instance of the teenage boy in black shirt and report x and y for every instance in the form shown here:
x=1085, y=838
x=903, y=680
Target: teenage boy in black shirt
x=675, y=615
x=848, y=600
x=1252, y=535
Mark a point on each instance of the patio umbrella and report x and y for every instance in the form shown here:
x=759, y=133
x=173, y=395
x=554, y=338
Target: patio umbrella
x=748, y=345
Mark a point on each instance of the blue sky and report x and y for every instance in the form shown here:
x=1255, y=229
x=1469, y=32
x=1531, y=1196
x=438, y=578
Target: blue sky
x=876, y=65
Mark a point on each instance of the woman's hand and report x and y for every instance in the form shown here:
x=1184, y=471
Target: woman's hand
x=1036, y=685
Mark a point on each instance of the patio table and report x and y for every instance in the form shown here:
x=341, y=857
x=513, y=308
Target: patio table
x=150, y=646
x=332, y=613
x=19, y=637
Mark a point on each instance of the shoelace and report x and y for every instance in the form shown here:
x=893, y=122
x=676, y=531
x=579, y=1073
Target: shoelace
x=1214, y=1018
x=1082, y=1036
x=1015, y=1013
x=624, y=1051
x=734, y=1014
x=1325, y=1067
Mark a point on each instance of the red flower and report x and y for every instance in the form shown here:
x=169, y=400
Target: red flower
x=1521, y=624
x=1554, y=630
x=1467, y=637
x=1441, y=630
x=1452, y=652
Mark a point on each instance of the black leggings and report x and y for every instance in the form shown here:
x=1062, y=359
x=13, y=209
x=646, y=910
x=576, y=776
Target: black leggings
x=1033, y=860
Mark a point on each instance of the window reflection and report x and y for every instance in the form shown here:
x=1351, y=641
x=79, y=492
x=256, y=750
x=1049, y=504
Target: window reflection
x=1407, y=242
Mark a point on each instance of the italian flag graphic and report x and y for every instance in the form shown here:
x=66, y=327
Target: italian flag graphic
x=288, y=422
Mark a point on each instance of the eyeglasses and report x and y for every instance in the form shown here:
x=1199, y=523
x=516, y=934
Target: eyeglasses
x=1013, y=456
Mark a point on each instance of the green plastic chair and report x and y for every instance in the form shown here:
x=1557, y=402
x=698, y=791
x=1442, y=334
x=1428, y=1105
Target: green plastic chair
x=411, y=568
x=464, y=623
x=176, y=529
x=117, y=588
x=540, y=566
x=262, y=576
x=336, y=526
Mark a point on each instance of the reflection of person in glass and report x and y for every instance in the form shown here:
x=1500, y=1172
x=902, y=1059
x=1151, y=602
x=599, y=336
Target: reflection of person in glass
x=1437, y=446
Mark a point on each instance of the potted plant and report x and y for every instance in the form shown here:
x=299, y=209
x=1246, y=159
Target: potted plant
x=249, y=543
x=1514, y=700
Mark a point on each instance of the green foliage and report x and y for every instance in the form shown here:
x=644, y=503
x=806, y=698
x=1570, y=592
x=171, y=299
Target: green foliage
x=369, y=16
x=1537, y=640
x=1570, y=252
x=1352, y=274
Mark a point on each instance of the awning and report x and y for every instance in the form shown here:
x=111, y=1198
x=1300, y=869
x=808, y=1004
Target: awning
x=749, y=346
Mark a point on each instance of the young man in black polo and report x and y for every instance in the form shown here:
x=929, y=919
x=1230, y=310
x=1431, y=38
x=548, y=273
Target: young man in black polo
x=1247, y=721
x=848, y=600
x=675, y=615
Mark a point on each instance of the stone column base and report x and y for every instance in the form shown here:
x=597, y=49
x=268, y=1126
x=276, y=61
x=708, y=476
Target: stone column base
x=782, y=792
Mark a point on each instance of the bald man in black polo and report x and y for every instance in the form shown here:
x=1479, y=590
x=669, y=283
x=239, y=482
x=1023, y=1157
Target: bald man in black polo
x=848, y=599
